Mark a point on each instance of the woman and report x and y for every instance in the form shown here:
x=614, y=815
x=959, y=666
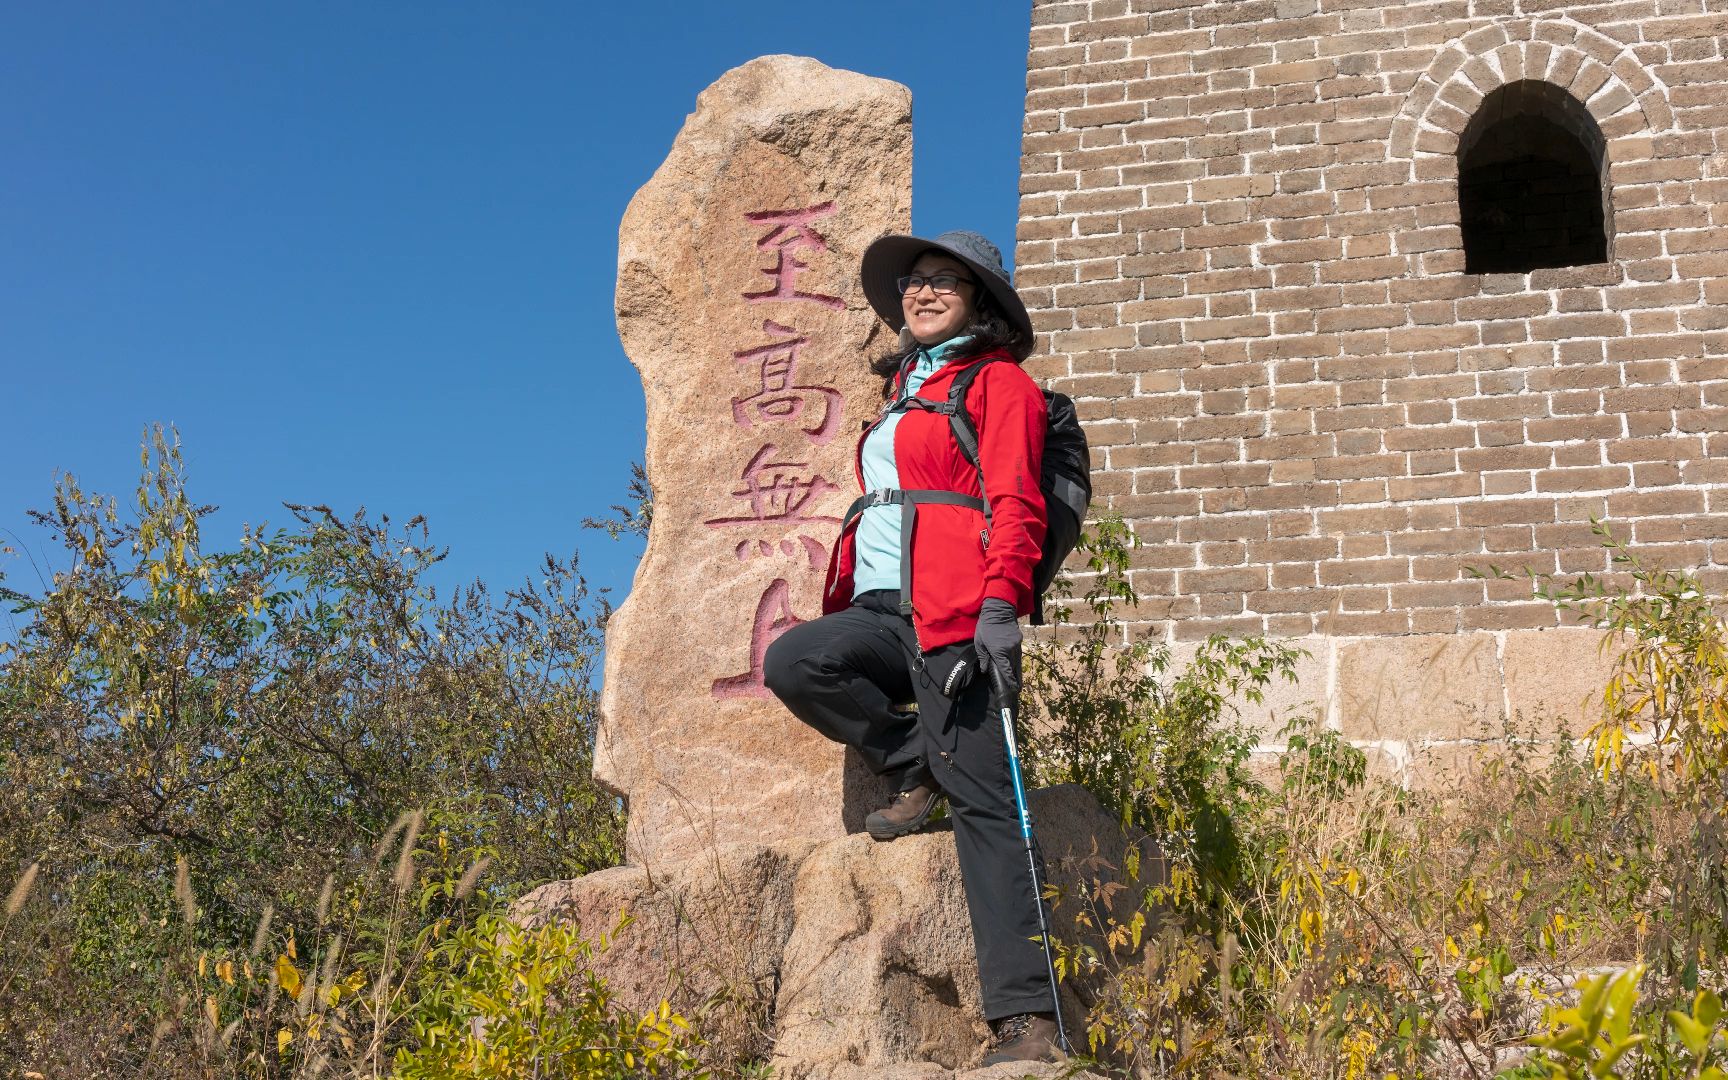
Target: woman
x=925, y=588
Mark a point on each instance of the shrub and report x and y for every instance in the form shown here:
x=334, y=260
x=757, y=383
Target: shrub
x=1610, y=1034
x=1160, y=749
x=505, y=1002
x=1337, y=924
x=1665, y=715
x=190, y=738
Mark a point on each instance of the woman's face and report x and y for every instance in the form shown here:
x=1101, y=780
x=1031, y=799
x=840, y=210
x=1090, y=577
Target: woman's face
x=935, y=317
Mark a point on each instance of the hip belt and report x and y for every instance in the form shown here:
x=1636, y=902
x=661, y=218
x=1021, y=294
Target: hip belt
x=908, y=501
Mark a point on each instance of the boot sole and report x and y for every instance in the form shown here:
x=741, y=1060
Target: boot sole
x=895, y=831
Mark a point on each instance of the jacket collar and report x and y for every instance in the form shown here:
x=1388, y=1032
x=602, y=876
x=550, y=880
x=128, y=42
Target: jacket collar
x=942, y=350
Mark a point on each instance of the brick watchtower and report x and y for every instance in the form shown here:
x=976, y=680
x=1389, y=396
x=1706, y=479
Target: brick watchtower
x=1358, y=294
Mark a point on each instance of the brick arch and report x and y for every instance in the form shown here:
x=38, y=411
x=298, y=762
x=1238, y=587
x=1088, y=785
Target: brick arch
x=1601, y=73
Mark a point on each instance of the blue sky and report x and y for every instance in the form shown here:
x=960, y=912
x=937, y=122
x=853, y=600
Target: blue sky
x=363, y=254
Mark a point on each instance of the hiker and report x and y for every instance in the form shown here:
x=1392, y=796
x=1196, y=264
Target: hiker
x=924, y=594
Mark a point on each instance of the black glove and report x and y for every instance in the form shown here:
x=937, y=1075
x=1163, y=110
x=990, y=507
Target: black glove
x=998, y=642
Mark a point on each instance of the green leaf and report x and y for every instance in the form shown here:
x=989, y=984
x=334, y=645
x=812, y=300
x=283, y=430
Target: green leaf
x=1622, y=996
x=1604, y=1066
x=1707, y=1008
x=1694, y=1035
x=1591, y=991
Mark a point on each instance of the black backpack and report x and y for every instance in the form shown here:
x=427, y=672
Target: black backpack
x=1065, y=474
x=1065, y=477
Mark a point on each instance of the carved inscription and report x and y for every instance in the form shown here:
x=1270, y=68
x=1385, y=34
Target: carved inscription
x=773, y=618
x=778, y=400
x=790, y=232
x=777, y=488
x=777, y=491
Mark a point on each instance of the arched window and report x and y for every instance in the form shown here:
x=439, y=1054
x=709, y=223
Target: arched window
x=1532, y=182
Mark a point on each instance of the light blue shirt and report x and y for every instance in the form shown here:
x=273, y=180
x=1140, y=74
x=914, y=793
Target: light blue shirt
x=878, y=537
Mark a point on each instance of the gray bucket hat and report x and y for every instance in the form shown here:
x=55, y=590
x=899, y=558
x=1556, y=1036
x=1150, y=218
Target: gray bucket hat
x=890, y=257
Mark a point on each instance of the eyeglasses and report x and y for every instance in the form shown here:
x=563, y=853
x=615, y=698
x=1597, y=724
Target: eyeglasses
x=940, y=284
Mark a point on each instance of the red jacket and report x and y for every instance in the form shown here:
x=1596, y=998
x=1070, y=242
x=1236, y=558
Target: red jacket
x=952, y=570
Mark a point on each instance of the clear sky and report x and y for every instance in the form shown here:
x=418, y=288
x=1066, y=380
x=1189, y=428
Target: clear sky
x=363, y=253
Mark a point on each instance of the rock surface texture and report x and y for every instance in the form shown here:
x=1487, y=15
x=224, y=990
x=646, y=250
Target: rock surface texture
x=738, y=304
x=853, y=957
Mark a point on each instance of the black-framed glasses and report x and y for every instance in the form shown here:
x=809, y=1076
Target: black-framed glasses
x=941, y=284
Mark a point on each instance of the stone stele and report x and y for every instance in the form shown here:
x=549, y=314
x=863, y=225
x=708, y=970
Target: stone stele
x=738, y=302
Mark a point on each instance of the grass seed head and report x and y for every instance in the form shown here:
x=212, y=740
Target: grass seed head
x=404, y=875
x=471, y=877
x=263, y=930
x=21, y=891
x=183, y=889
x=390, y=835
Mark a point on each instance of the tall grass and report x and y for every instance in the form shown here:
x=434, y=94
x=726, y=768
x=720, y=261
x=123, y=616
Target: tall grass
x=1342, y=925
x=205, y=755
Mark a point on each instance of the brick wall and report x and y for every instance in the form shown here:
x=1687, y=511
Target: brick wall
x=1240, y=240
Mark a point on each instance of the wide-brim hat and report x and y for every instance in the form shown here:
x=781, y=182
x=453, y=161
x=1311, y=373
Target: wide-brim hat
x=890, y=257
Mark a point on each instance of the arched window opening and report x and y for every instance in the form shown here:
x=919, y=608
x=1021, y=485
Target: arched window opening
x=1532, y=182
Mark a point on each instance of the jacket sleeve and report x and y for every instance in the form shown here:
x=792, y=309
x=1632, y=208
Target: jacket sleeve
x=1011, y=418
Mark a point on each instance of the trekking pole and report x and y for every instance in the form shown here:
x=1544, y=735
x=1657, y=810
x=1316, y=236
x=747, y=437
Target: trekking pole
x=1009, y=706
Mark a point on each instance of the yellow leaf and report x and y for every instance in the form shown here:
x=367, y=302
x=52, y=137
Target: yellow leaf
x=288, y=976
x=283, y=1038
x=225, y=971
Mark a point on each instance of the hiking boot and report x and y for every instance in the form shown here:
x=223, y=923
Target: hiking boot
x=906, y=814
x=1024, y=1037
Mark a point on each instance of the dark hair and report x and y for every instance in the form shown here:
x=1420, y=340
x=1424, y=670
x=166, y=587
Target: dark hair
x=988, y=328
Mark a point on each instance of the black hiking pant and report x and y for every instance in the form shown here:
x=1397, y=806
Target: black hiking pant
x=842, y=674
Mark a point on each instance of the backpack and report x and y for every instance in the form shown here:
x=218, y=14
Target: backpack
x=1065, y=478
x=1065, y=474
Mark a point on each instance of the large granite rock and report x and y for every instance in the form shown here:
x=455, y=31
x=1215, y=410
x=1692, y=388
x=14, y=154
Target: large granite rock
x=855, y=956
x=738, y=303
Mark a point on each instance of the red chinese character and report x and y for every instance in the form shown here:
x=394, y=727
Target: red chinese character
x=791, y=232
x=814, y=551
x=773, y=618
x=780, y=400
x=777, y=491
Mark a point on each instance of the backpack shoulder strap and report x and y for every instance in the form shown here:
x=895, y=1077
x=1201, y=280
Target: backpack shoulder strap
x=959, y=419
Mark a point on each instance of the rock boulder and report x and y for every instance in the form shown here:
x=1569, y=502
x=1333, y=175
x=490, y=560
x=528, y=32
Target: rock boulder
x=854, y=957
x=738, y=304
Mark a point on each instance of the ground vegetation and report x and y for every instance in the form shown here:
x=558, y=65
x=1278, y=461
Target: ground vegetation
x=1548, y=906
x=262, y=805
x=263, y=808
